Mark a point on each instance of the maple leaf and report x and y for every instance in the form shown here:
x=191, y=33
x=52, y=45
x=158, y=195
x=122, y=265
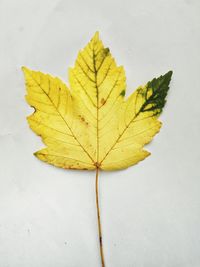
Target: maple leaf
x=91, y=125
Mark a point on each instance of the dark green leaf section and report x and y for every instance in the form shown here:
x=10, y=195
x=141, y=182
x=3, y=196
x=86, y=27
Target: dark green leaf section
x=155, y=94
x=122, y=93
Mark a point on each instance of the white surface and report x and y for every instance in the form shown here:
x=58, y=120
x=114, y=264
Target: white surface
x=150, y=212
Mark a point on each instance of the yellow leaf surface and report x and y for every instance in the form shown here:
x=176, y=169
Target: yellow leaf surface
x=90, y=124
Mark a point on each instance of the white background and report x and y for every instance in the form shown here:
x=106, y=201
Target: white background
x=151, y=211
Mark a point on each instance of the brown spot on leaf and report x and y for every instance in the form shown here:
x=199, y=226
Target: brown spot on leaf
x=103, y=101
x=83, y=119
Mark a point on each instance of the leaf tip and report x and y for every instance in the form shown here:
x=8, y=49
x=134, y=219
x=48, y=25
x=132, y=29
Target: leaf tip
x=96, y=36
x=39, y=155
x=170, y=71
x=25, y=69
x=147, y=153
x=169, y=74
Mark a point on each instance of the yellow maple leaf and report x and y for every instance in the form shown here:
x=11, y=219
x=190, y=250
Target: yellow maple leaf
x=91, y=125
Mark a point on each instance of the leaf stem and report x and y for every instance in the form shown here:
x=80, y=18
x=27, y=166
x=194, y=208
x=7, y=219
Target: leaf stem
x=99, y=217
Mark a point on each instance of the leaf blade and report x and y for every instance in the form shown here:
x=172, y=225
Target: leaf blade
x=52, y=119
x=145, y=118
x=92, y=124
